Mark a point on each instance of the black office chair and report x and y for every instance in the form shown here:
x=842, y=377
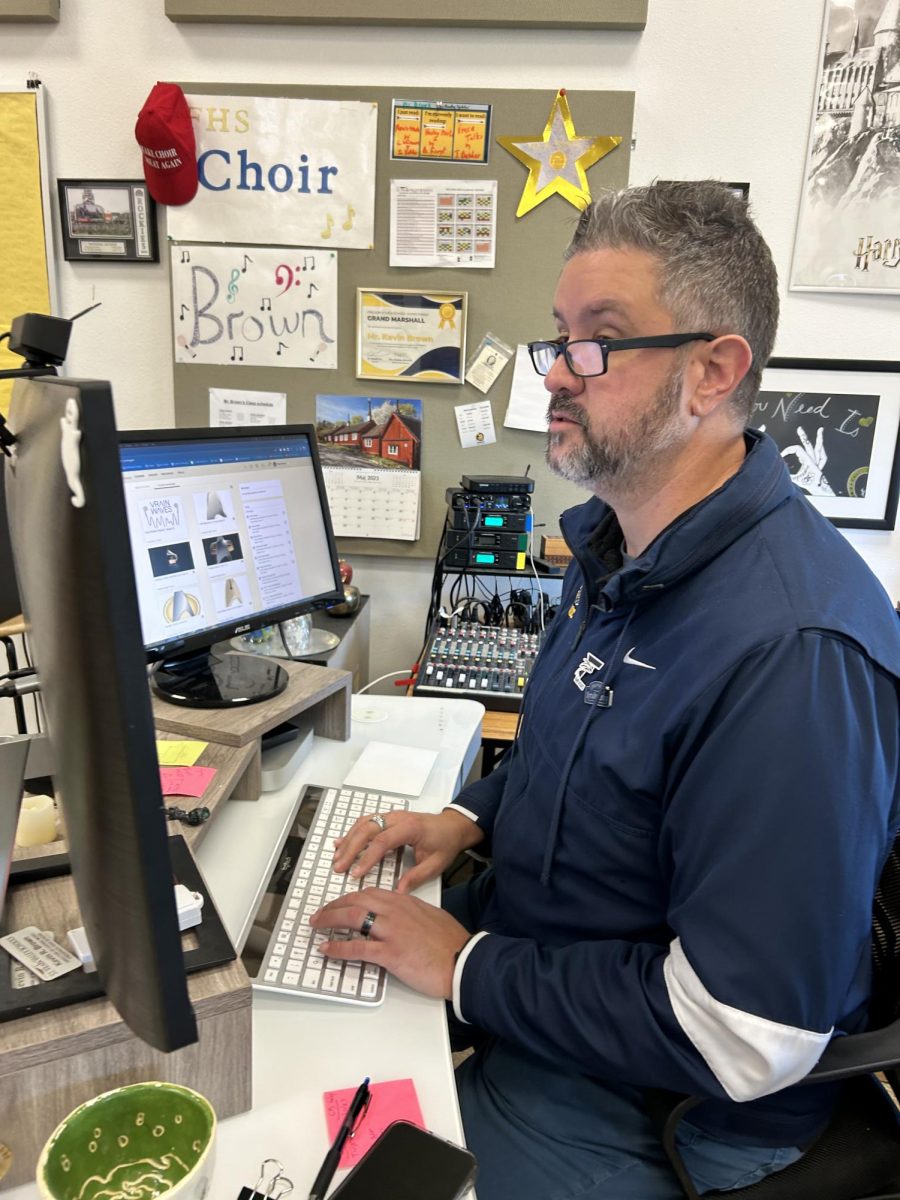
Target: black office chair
x=858, y=1155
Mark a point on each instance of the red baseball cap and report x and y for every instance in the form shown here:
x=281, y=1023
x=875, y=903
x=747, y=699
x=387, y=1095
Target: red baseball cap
x=165, y=133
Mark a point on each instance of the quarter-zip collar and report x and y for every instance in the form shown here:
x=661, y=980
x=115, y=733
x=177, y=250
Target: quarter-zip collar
x=696, y=536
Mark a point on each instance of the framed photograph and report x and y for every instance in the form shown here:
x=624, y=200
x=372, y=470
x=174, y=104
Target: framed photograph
x=836, y=423
x=419, y=337
x=107, y=220
x=847, y=237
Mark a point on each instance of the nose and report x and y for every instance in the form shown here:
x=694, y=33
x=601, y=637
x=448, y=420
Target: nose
x=561, y=378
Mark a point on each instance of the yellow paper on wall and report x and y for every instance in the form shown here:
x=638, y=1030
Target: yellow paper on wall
x=24, y=281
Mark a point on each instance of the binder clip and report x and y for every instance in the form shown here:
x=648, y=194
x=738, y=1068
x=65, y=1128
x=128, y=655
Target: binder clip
x=272, y=1184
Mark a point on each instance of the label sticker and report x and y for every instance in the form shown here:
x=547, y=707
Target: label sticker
x=39, y=953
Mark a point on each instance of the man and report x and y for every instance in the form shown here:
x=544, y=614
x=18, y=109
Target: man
x=688, y=833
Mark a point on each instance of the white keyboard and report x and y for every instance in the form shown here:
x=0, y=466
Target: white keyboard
x=292, y=962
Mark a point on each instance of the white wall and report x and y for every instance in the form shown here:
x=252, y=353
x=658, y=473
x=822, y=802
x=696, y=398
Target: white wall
x=723, y=88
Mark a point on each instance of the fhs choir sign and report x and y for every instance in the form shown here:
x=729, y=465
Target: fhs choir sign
x=281, y=172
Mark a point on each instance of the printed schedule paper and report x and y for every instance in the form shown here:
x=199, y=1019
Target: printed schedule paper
x=374, y=504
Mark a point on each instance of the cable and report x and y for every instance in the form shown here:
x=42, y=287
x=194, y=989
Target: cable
x=534, y=572
x=389, y=675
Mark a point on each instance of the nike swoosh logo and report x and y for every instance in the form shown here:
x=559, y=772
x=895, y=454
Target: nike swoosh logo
x=636, y=662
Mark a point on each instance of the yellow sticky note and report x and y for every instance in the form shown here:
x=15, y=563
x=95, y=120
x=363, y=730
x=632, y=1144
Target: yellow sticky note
x=179, y=754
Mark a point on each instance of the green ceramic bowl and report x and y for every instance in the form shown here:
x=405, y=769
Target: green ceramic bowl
x=133, y=1143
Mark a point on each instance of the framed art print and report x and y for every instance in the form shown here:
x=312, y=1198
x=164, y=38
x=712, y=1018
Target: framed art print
x=107, y=220
x=848, y=237
x=836, y=423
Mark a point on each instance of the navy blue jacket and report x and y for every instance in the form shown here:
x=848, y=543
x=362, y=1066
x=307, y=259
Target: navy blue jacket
x=688, y=833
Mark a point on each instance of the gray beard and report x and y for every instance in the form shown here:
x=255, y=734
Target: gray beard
x=622, y=461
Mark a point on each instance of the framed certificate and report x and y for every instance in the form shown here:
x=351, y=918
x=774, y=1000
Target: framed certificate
x=409, y=335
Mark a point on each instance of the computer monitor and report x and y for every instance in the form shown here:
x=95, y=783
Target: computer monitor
x=230, y=531
x=70, y=542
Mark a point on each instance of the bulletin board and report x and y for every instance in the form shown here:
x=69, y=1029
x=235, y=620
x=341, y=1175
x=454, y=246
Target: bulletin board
x=512, y=300
x=27, y=281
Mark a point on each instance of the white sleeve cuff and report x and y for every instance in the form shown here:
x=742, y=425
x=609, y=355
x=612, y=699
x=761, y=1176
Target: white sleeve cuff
x=465, y=812
x=458, y=970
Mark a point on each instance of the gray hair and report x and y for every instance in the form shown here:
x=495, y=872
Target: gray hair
x=716, y=270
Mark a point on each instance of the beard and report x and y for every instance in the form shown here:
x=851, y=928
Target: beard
x=621, y=460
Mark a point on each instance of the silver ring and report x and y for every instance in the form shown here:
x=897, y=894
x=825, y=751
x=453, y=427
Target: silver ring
x=368, y=921
x=379, y=821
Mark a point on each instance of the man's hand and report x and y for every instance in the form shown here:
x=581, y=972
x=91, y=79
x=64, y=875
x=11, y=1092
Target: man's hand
x=436, y=839
x=413, y=940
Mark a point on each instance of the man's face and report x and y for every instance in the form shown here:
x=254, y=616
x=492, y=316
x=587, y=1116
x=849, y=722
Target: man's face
x=608, y=432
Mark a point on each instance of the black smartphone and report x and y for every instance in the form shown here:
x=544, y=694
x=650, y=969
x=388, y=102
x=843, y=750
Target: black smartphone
x=406, y=1163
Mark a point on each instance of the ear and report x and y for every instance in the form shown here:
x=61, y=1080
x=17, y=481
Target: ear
x=716, y=370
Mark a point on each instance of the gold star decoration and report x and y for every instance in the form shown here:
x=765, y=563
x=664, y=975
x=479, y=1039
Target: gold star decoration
x=558, y=161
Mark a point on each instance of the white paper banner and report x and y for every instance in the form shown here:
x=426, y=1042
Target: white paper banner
x=272, y=170
x=254, y=306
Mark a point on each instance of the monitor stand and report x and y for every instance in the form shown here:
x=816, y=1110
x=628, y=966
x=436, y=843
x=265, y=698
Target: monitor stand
x=206, y=680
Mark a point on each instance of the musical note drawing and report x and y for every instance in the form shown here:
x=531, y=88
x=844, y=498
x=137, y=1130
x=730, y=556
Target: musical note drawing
x=313, y=287
x=309, y=262
x=247, y=259
x=237, y=354
x=185, y=256
x=326, y=232
x=232, y=286
x=265, y=304
x=184, y=308
x=281, y=346
x=183, y=343
x=323, y=336
x=351, y=213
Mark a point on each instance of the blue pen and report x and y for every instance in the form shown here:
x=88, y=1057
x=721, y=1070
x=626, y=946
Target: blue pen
x=354, y=1115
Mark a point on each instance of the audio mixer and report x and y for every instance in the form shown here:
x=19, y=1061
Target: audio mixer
x=478, y=662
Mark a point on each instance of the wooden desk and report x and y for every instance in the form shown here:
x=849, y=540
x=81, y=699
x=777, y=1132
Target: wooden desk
x=12, y=627
x=498, y=730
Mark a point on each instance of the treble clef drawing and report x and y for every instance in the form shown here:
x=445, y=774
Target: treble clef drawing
x=232, y=286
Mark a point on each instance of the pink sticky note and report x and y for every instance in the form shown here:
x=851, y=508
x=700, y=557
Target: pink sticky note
x=394, y=1100
x=185, y=781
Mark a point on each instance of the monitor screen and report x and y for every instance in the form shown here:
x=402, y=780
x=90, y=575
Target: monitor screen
x=230, y=531
x=70, y=540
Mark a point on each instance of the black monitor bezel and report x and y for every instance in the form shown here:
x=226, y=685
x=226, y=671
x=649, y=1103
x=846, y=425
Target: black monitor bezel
x=85, y=635
x=203, y=640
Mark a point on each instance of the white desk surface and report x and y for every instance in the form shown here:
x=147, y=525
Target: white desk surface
x=302, y=1048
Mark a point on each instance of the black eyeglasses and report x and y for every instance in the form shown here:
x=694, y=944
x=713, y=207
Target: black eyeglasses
x=587, y=357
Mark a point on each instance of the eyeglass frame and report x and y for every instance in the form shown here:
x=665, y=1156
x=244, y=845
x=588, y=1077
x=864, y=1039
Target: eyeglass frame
x=607, y=346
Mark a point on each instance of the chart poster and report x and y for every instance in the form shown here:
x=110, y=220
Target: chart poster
x=280, y=171
x=443, y=223
x=410, y=335
x=254, y=306
x=431, y=131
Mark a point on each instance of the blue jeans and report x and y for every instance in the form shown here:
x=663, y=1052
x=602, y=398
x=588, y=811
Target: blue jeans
x=542, y=1134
